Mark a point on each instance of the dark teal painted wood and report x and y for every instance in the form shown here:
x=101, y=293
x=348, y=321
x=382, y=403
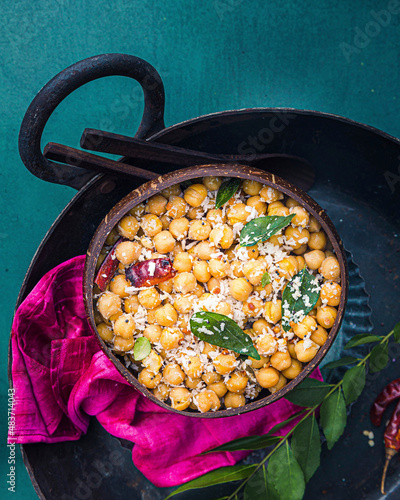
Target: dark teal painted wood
x=212, y=56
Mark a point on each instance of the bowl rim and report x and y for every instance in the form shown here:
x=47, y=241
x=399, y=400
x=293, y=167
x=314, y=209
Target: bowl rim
x=152, y=187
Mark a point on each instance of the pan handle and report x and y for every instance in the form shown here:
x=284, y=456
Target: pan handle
x=70, y=79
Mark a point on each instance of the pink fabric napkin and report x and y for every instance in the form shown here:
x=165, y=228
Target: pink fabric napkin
x=61, y=378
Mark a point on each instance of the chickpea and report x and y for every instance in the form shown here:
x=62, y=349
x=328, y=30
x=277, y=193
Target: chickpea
x=180, y=398
x=105, y=332
x=151, y=315
x=176, y=207
x=193, y=383
x=305, y=327
x=258, y=204
x=161, y=392
x=156, y=204
x=287, y=267
x=207, y=400
x=270, y=194
x=174, y=190
x=198, y=290
x=314, y=226
x=259, y=363
x=293, y=370
x=195, y=213
x=177, y=249
x=131, y=304
x=182, y=262
x=281, y=360
x=237, y=268
x=109, y=304
x=240, y=289
x=290, y=203
x=314, y=259
x=330, y=292
x=330, y=269
x=137, y=211
x=215, y=216
x=219, y=268
x=237, y=382
x=222, y=236
x=253, y=271
x=122, y=345
x=195, y=195
x=291, y=350
x=166, y=286
x=201, y=271
x=326, y=316
x=128, y=252
x=192, y=366
x=211, y=377
x=214, y=286
x=295, y=236
x=118, y=285
x=124, y=326
x=151, y=225
x=183, y=303
x=204, y=250
x=208, y=348
x=224, y=308
x=251, y=188
x=149, y=298
x=319, y=336
x=219, y=388
x=277, y=387
x=267, y=377
x=317, y=241
x=153, y=333
x=165, y=221
x=112, y=237
x=260, y=326
x=149, y=379
x=300, y=262
x=301, y=250
x=253, y=307
x=237, y=213
x=179, y=227
x=234, y=400
x=212, y=183
x=282, y=211
x=147, y=242
x=171, y=338
x=185, y=282
x=225, y=363
x=275, y=240
x=272, y=311
x=128, y=227
x=153, y=362
x=305, y=355
x=266, y=344
x=173, y=374
x=329, y=253
x=166, y=315
x=199, y=230
x=301, y=218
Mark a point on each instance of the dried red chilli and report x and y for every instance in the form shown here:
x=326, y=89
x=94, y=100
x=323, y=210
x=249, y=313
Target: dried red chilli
x=108, y=267
x=392, y=432
x=150, y=272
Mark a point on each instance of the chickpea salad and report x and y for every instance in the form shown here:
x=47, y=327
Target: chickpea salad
x=215, y=289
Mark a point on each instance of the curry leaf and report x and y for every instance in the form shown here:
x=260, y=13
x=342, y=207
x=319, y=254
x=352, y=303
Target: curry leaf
x=141, y=349
x=262, y=228
x=306, y=445
x=217, y=329
x=226, y=191
x=279, y=426
x=309, y=393
x=396, y=331
x=256, y=486
x=247, y=443
x=361, y=339
x=353, y=383
x=217, y=476
x=285, y=474
x=266, y=279
x=333, y=417
x=379, y=357
x=299, y=297
x=346, y=360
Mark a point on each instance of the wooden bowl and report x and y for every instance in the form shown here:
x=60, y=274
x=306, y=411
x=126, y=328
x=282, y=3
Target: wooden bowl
x=244, y=172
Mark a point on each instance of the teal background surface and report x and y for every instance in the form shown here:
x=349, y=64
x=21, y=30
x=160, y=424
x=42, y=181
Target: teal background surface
x=212, y=56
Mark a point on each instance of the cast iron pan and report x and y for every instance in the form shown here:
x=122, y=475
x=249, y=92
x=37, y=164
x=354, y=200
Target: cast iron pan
x=356, y=168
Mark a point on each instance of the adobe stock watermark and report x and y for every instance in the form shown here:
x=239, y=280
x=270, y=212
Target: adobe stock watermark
x=392, y=178
x=363, y=37
x=11, y=443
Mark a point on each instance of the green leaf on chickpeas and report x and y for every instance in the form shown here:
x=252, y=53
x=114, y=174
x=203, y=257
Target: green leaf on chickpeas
x=299, y=297
x=141, y=349
x=266, y=279
x=311, y=392
x=361, y=339
x=226, y=191
x=285, y=474
x=379, y=357
x=333, y=417
x=262, y=228
x=218, y=329
x=306, y=445
x=353, y=383
x=247, y=443
x=217, y=476
x=346, y=360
